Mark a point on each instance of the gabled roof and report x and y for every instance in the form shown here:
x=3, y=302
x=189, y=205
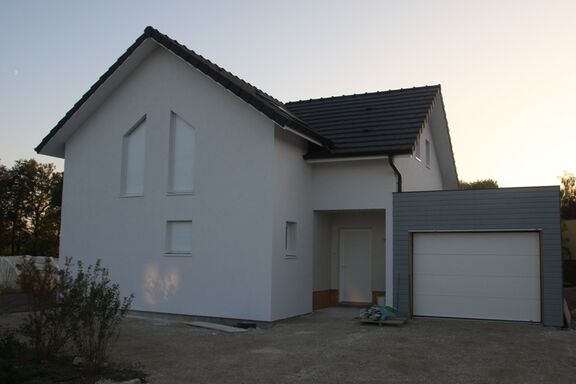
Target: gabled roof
x=371, y=124
x=379, y=123
x=263, y=102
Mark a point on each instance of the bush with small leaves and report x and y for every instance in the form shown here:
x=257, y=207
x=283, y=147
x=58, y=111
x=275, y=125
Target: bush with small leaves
x=47, y=322
x=97, y=312
x=84, y=308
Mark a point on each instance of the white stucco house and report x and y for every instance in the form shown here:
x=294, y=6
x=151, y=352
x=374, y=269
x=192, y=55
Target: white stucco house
x=205, y=196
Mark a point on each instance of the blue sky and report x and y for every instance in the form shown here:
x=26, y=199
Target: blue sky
x=507, y=68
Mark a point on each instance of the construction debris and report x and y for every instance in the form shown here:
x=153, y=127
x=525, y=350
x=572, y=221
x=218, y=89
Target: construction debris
x=381, y=315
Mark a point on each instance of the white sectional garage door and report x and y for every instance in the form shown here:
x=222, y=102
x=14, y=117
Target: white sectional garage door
x=478, y=275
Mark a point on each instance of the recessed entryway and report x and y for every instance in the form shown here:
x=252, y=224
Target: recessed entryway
x=349, y=257
x=477, y=275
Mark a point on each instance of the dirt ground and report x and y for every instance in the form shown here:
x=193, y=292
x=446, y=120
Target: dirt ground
x=330, y=346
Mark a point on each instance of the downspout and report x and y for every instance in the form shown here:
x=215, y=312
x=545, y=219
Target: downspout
x=390, y=283
x=397, y=173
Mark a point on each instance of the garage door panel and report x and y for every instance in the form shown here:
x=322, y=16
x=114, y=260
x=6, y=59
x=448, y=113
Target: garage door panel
x=513, y=243
x=524, y=265
x=477, y=286
x=463, y=307
x=484, y=275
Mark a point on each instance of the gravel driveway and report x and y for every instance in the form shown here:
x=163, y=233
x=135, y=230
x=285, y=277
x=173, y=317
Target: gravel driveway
x=329, y=346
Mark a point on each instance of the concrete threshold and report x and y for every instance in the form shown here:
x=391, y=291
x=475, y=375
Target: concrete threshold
x=215, y=326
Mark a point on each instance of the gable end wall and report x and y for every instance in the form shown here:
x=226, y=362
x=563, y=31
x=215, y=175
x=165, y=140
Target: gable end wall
x=228, y=273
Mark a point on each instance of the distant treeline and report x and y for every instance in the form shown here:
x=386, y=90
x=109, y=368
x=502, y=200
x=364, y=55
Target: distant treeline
x=30, y=205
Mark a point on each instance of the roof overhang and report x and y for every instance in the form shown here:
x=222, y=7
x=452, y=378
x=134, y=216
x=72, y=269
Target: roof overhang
x=349, y=158
x=54, y=143
x=438, y=124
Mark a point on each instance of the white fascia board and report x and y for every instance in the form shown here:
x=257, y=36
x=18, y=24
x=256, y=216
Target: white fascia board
x=55, y=146
x=438, y=125
x=302, y=136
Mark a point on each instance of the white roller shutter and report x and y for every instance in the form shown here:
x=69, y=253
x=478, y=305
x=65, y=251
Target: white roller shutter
x=478, y=275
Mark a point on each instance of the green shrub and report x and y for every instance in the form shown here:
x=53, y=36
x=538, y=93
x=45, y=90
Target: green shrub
x=98, y=310
x=10, y=348
x=83, y=308
x=13, y=357
x=47, y=322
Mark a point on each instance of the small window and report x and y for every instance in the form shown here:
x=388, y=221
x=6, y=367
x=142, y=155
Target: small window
x=417, y=149
x=182, y=146
x=290, y=240
x=428, y=154
x=179, y=237
x=133, y=157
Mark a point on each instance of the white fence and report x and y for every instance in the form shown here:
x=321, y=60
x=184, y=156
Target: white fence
x=9, y=271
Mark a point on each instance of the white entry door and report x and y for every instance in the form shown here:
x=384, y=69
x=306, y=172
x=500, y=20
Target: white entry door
x=477, y=275
x=355, y=275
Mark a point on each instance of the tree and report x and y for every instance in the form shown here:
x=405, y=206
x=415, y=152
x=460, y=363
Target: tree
x=479, y=184
x=4, y=204
x=30, y=200
x=568, y=197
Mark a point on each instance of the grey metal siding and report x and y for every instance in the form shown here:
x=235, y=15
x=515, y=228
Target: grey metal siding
x=488, y=209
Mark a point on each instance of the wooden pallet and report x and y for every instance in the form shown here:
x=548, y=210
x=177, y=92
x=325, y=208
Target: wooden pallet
x=398, y=321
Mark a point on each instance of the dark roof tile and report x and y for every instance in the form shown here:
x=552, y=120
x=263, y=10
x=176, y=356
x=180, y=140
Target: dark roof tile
x=383, y=123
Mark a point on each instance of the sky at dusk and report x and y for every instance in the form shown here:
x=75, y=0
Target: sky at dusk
x=507, y=68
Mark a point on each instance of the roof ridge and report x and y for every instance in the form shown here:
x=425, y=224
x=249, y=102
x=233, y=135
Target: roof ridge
x=151, y=31
x=437, y=86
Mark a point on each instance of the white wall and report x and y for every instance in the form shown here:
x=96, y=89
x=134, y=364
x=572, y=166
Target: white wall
x=361, y=184
x=416, y=176
x=441, y=138
x=229, y=272
x=291, y=276
x=322, y=278
x=356, y=185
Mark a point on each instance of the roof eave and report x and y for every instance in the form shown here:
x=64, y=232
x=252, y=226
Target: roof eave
x=53, y=147
x=364, y=154
x=132, y=55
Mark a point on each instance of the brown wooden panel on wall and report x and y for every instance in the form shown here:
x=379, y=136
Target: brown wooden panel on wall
x=324, y=299
x=334, y=297
x=376, y=294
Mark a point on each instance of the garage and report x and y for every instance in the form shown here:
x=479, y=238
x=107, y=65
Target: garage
x=479, y=254
x=477, y=275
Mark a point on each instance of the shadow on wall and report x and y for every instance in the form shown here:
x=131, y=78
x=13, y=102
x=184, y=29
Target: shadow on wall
x=159, y=287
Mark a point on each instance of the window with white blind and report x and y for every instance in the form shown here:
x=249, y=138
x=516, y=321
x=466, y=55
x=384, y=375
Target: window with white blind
x=182, y=148
x=179, y=237
x=290, y=239
x=133, y=159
